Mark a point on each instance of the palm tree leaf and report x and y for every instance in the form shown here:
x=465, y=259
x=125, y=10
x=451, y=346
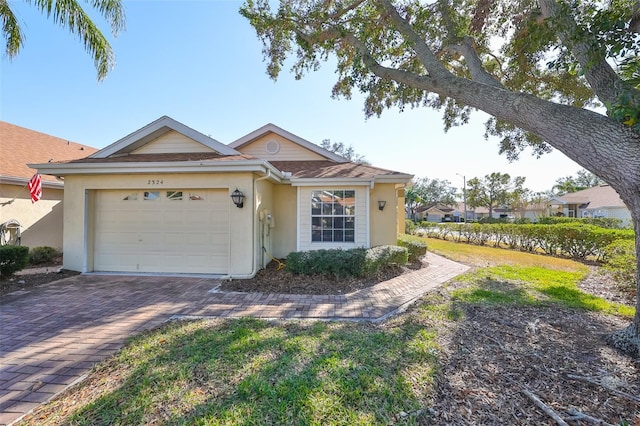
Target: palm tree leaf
x=10, y=30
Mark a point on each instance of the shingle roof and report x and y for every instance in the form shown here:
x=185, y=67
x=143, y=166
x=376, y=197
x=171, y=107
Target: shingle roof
x=19, y=146
x=159, y=158
x=596, y=197
x=330, y=169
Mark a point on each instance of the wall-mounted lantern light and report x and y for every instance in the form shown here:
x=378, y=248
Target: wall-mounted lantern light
x=381, y=204
x=238, y=198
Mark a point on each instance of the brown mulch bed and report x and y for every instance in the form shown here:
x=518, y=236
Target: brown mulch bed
x=275, y=279
x=27, y=279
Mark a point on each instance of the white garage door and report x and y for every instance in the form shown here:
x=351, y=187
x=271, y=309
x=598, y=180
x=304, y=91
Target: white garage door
x=182, y=231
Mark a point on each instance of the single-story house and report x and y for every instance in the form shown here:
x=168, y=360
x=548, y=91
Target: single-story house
x=440, y=213
x=40, y=223
x=599, y=201
x=168, y=199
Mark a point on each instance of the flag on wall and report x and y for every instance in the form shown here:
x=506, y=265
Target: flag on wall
x=35, y=187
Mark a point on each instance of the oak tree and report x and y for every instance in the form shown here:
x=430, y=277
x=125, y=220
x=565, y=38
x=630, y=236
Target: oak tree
x=539, y=68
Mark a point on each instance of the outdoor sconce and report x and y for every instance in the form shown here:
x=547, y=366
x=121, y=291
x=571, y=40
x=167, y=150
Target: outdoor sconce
x=238, y=198
x=381, y=204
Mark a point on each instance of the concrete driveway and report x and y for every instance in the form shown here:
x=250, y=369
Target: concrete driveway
x=51, y=336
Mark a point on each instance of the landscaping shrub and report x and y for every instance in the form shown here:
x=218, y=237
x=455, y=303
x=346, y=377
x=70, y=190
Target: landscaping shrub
x=620, y=260
x=602, y=222
x=381, y=256
x=409, y=226
x=415, y=246
x=43, y=254
x=13, y=259
x=339, y=263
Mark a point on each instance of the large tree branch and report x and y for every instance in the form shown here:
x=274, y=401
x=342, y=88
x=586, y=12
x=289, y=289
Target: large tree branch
x=601, y=77
x=473, y=61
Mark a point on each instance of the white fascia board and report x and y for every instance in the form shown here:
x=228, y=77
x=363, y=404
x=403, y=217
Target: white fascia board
x=9, y=180
x=393, y=178
x=290, y=136
x=156, y=126
x=158, y=167
x=323, y=182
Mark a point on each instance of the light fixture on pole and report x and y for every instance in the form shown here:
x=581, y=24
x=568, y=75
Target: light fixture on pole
x=238, y=198
x=464, y=195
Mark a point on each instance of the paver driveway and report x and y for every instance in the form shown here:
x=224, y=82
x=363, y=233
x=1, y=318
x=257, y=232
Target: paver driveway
x=51, y=336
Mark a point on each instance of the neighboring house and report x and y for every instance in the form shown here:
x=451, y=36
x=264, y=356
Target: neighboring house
x=40, y=222
x=160, y=200
x=439, y=213
x=599, y=201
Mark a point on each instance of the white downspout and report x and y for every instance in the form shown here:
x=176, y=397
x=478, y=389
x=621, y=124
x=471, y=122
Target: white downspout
x=254, y=269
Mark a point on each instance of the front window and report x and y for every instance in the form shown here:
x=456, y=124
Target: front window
x=333, y=216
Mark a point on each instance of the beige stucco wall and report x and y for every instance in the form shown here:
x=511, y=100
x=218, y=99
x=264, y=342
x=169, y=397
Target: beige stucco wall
x=384, y=229
x=79, y=206
x=41, y=222
x=285, y=209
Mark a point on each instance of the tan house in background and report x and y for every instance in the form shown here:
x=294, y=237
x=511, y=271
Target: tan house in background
x=40, y=222
x=160, y=201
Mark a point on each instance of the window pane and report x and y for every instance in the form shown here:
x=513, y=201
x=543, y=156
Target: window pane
x=131, y=197
x=338, y=222
x=174, y=195
x=333, y=216
x=151, y=195
x=195, y=197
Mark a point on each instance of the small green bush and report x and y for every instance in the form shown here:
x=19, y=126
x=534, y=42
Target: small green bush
x=620, y=260
x=339, y=263
x=381, y=256
x=44, y=254
x=416, y=247
x=409, y=226
x=13, y=259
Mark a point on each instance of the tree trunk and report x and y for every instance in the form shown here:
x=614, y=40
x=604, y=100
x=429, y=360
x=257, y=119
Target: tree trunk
x=628, y=339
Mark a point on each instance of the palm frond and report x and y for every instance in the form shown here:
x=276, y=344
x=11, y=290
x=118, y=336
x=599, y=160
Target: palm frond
x=10, y=30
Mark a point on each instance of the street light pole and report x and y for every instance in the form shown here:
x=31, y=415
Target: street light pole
x=464, y=195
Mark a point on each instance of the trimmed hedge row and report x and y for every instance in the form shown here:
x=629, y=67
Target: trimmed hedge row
x=13, y=259
x=357, y=262
x=573, y=240
x=620, y=260
x=416, y=246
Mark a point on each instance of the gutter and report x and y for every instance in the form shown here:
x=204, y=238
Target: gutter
x=254, y=269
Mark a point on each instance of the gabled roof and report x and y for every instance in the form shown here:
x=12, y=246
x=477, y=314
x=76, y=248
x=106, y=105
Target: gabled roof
x=272, y=128
x=19, y=146
x=301, y=170
x=156, y=129
x=594, y=198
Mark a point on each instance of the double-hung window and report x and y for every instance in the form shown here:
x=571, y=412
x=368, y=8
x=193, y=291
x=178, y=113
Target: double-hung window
x=333, y=216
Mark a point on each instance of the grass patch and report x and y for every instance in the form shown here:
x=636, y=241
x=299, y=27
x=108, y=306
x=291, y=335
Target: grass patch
x=256, y=372
x=533, y=285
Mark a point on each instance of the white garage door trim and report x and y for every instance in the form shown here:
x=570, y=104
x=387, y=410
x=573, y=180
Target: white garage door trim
x=161, y=231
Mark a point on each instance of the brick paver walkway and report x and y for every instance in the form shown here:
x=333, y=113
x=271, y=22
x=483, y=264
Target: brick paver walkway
x=50, y=337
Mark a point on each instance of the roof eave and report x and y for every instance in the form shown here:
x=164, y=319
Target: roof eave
x=203, y=166
x=10, y=180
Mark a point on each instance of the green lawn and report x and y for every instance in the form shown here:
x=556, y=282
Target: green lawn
x=245, y=372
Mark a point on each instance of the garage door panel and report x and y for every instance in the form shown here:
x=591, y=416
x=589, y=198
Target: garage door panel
x=161, y=235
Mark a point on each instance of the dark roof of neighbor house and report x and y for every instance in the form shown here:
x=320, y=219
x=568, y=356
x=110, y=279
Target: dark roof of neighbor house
x=594, y=198
x=330, y=169
x=19, y=146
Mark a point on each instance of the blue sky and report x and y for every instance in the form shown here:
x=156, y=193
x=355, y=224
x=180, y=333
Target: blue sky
x=200, y=63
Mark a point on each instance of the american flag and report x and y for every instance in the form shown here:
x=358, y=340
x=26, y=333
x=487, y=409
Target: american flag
x=35, y=187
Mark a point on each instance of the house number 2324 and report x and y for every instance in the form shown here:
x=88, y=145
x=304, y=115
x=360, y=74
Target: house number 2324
x=155, y=182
